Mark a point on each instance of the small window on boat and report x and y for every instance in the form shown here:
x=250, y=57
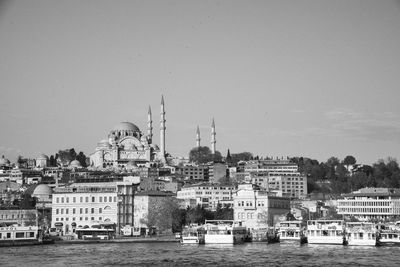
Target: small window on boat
x=8, y=235
x=20, y=235
x=31, y=234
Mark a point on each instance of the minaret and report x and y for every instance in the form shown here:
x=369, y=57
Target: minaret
x=149, y=126
x=198, y=137
x=213, y=133
x=162, y=129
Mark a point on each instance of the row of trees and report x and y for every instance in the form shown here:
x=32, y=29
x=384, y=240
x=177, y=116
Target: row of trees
x=336, y=176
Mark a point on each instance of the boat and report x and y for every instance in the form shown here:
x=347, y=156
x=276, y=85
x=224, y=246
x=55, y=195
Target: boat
x=16, y=235
x=389, y=235
x=325, y=232
x=267, y=234
x=361, y=234
x=193, y=235
x=224, y=232
x=291, y=231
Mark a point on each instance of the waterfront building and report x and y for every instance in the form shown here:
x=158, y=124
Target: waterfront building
x=366, y=204
x=84, y=205
x=125, y=191
x=205, y=195
x=258, y=208
x=148, y=208
x=126, y=144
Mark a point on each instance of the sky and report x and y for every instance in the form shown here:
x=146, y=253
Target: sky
x=281, y=78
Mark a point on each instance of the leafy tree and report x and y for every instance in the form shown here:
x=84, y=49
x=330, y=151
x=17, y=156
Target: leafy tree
x=81, y=157
x=66, y=156
x=349, y=160
x=224, y=213
x=243, y=156
x=31, y=218
x=161, y=214
x=202, y=154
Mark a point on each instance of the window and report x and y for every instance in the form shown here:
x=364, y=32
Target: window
x=110, y=199
x=81, y=199
x=80, y=211
x=115, y=199
x=92, y=210
x=100, y=210
x=86, y=210
x=100, y=199
x=92, y=218
x=74, y=199
x=57, y=211
x=100, y=218
x=87, y=199
x=67, y=199
x=62, y=211
x=62, y=200
x=73, y=211
x=66, y=211
x=93, y=199
x=58, y=200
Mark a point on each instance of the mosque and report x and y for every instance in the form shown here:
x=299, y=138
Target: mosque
x=127, y=146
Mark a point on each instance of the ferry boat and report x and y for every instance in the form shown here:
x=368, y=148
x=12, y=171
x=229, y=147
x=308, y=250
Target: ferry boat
x=16, y=235
x=193, y=235
x=290, y=231
x=224, y=232
x=325, y=232
x=361, y=234
x=389, y=235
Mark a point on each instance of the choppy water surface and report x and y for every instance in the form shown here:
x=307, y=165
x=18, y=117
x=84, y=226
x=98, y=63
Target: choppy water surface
x=175, y=254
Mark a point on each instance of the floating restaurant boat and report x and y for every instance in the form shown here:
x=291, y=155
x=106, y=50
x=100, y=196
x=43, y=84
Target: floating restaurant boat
x=16, y=235
x=290, y=231
x=325, y=232
x=361, y=234
x=193, y=235
x=224, y=232
x=389, y=234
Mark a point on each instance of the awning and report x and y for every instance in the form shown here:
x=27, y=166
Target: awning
x=73, y=224
x=58, y=224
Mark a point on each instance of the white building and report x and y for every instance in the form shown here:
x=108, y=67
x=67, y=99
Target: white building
x=293, y=183
x=371, y=204
x=206, y=195
x=85, y=204
x=258, y=208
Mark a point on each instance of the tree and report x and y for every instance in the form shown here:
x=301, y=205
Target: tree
x=66, y=156
x=224, y=213
x=349, y=160
x=161, y=214
x=202, y=154
x=81, y=157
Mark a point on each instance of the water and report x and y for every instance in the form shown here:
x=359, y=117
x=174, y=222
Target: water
x=175, y=254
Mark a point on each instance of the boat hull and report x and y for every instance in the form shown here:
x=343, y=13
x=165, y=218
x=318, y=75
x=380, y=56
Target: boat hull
x=223, y=239
x=325, y=240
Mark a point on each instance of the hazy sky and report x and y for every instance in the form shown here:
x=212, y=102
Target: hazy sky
x=281, y=78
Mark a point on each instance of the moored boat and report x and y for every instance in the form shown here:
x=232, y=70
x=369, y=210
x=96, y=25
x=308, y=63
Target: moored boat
x=16, y=235
x=389, y=235
x=291, y=231
x=224, y=232
x=193, y=235
x=267, y=234
x=325, y=232
x=361, y=234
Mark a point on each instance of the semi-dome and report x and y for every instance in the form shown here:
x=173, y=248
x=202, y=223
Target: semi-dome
x=4, y=161
x=42, y=189
x=75, y=164
x=126, y=126
x=43, y=157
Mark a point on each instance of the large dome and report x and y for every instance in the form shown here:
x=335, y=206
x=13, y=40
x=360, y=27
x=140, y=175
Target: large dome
x=42, y=189
x=126, y=126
